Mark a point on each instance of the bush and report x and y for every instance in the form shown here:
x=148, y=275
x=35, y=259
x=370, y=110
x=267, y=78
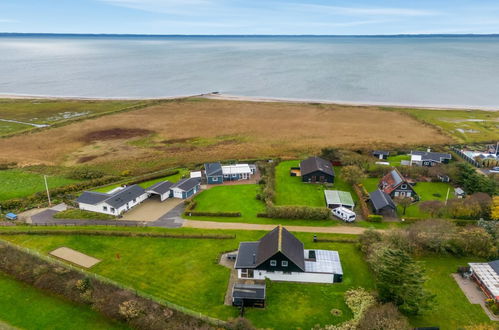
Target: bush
x=374, y=218
x=83, y=215
x=85, y=173
x=298, y=212
x=262, y=215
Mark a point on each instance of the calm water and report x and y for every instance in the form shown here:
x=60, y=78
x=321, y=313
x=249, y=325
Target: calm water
x=436, y=71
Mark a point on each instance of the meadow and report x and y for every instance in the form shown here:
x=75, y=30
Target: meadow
x=17, y=183
x=464, y=126
x=189, y=131
x=51, y=111
x=24, y=306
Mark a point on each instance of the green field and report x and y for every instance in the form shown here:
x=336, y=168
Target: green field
x=290, y=190
x=185, y=272
x=427, y=191
x=146, y=184
x=24, y=306
x=395, y=160
x=54, y=111
x=17, y=183
x=464, y=125
x=452, y=309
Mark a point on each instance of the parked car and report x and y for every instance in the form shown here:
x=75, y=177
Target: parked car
x=344, y=214
x=494, y=169
x=11, y=216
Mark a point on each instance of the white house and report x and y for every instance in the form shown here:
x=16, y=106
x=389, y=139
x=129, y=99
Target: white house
x=280, y=256
x=162, y=189
x=115, y=203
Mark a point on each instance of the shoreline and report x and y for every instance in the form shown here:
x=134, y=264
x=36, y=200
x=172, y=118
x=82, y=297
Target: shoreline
x=229, y=97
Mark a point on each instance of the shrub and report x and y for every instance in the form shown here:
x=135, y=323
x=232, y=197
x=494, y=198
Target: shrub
x=85, y=173
x=383, y=317
x=298, y=212
x=82, y=214
x=130, y=309
x=213, y=214
x=374, y=218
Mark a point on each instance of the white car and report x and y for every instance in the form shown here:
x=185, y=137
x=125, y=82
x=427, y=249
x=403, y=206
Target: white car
x=344, y=214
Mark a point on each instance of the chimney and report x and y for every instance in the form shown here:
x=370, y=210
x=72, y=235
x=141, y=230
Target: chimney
x=254, y=258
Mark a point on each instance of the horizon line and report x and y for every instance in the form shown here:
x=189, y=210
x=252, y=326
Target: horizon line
x=251, y=35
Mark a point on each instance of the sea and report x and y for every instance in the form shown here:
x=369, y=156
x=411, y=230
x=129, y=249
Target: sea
x=428, y=70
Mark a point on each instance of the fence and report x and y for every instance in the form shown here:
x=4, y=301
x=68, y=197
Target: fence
x=138, y=293
x=466, y=157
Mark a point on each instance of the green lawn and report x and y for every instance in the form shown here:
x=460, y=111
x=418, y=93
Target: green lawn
x=463, y=125
x=395, y=160
x=290, y=190
x=371, y=184
x=233, y=198
x=145, y=184
x=184, y=272
x=17, y=183
x=55, y=111
x=427, y=191
x=452, y=309
x=24, y=306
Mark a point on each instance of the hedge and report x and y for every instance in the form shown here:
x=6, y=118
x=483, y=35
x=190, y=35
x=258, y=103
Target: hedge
x=362, y=202
x=298, y=212
x=374, y=218
x=213, y=214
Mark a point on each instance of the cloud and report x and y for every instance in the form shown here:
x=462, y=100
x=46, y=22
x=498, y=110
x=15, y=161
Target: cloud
x=6, y=20
x=364, y=11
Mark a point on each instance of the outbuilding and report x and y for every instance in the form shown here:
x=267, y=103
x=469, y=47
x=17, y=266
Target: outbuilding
x=248, y=295
x=162, y=189
x=382, y=203
x=186, y=188
x=381, y=154
x=337, y=198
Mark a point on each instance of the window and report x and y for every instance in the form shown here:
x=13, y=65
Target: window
x=404, y=186
x=284, y=263
x=112, y=209
x=214, y=179
x=247, y=273
x=104, y=208
x=273, y=263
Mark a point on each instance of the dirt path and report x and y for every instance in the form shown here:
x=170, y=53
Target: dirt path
x=252, y=226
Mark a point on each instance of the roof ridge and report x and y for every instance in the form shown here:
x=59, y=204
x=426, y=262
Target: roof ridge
x=279, y=240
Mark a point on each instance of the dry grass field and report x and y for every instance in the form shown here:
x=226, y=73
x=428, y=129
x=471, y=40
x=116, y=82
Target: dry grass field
x=197, y=130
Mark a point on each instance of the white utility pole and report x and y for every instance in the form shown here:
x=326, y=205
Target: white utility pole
x=47, y=189
x=447, y=197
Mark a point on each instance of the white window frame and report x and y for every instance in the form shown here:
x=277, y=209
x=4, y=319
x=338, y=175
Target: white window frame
x=284, y=263
x=104, y=208
x=273, y=263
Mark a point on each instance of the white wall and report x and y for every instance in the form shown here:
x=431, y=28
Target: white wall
x=100, y=207
x=177, y=193
x=293, y=277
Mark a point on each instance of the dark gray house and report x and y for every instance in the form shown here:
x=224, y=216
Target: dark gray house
x=248, y=295
x=428, y=158
x=214, y=173
x=382, y=203
x=381, y=154
x=280, y=256
x=186, y=188
x=316, y=170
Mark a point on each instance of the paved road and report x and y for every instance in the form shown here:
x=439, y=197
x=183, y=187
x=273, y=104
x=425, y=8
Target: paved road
x=172, y=219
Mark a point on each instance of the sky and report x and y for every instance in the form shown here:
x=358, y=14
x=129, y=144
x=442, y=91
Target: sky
x=321, y=17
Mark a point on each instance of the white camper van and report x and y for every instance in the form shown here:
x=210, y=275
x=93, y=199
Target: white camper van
x=344, y=214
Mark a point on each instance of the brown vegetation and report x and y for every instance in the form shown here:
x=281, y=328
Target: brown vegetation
x=204, y=130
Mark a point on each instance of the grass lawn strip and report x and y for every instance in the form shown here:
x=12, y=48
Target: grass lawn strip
x=24, y=306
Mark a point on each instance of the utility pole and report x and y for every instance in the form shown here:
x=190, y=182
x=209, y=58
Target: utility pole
x=47, y=189
x=447, y=197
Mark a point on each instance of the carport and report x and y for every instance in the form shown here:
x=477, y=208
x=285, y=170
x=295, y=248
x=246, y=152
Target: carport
x=162, y=189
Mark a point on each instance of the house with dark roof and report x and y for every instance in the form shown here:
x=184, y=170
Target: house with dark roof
x=116, y=203
x=248, y=295
x=381, y=154
x=216, y=173
x=186, y=188
x=395, y=185
x=316, y=170
x=382, y=203
x=486, y=275
x=428, y=158
x=161, y=189
x=280, y=256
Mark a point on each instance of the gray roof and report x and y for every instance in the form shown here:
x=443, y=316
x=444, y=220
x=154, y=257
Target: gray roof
x=92, y=197
x=433, y=156
x=381, y=152
x=246, y=256
x=186, y=184
x=116, y=200
x=495, y=265
x=380, y=199
x=396, y=177
x=248, y=291
x=280, y=240
x=314, y=164
x=338, y=197
x=213, y=169
x=160, y=187
x=459, y=191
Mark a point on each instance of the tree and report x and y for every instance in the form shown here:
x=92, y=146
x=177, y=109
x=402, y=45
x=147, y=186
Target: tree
x=485, y=203
x=352, y=174
x=401, y=280
x=404, y=202
x=434, y=208
x=494, y=214
x=475, y=241
x=463, y=208
x=353, y=158
x=383, y=317
x=331, y=154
